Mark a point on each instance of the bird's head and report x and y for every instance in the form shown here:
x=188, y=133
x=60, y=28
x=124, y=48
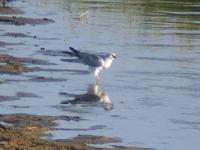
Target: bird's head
x=113, y=55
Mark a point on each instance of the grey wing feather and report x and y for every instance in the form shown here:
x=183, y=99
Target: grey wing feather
x=104, y=56
x=91, y=60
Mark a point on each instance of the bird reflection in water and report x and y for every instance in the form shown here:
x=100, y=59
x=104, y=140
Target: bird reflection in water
x=94, y=94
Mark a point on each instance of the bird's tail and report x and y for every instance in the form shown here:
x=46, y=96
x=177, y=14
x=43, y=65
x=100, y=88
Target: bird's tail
x=76, y=52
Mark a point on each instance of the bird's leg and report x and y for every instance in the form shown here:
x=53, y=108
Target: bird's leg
x=97, y=79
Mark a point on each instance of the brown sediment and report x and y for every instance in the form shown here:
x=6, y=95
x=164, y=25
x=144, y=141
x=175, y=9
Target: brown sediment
x=16, y=34
x=27, y=129
x=26, y=138
x=23, y=20
x=16, y=65
x=10, y=10
x=11, y=59
x=12, y=68
x=21, y=120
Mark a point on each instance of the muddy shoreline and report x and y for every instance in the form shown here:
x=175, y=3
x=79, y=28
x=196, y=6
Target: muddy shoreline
x=24, y=131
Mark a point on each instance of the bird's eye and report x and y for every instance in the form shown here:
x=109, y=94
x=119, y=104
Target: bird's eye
x=114, y=56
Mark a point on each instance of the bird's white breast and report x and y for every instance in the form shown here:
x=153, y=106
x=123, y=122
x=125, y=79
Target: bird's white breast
x=107, y=63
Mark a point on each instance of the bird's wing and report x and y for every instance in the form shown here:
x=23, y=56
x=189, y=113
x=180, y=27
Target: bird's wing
x=104, y=56
x=92, y=60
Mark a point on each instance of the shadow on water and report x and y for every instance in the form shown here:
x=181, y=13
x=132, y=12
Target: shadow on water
x=93, y=96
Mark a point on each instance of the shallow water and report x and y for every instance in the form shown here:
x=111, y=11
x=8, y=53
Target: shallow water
x=152, y=89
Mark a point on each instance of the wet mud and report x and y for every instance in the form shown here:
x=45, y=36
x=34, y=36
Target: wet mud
x=23, y=131
x=26, y=60
x=13, y=20
x=12, y=68
x=17, y=65
x=16, y=34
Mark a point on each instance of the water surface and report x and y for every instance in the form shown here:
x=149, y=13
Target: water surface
x=153, y=86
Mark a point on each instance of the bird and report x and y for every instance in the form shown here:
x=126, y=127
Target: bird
x=95, y=61
x=83, y=15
